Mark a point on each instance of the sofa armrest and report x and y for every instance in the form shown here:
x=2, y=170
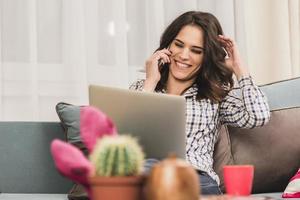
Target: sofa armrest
x=26, y=164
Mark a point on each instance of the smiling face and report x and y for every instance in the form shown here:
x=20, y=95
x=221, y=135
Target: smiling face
x=187, y=54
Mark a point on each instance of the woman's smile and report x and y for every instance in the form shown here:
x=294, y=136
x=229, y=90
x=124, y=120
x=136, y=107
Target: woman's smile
x=182, y=65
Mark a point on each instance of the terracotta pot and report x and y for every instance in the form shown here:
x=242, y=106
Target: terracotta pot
x=172, y=179
x=117, y=188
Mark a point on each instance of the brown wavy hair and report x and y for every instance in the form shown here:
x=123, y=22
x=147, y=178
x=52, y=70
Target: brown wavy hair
x=214, y=80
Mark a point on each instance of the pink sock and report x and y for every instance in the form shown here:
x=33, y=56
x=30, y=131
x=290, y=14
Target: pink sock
x=94, y=124
x=71, y=162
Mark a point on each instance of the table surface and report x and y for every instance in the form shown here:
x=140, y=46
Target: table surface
x=225, y=197
x=6, y=196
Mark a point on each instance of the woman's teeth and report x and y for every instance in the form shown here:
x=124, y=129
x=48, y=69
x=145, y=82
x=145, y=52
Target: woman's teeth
x=182, y=65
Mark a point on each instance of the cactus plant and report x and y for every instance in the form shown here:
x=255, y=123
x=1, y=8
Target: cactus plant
x=117, y=156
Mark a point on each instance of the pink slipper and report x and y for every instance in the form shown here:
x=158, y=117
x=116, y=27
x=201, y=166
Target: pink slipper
x=292, y=190
x=93, y=125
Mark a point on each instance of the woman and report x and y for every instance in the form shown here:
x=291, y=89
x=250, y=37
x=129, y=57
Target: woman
x=196, y=61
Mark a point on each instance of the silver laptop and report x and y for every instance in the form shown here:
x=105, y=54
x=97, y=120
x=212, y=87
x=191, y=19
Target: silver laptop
x=157, y=120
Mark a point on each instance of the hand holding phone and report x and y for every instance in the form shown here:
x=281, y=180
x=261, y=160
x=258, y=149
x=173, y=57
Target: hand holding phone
x=153, y=65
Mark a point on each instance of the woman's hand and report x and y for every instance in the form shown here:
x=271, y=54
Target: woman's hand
x=152, y=68
x=234, y=60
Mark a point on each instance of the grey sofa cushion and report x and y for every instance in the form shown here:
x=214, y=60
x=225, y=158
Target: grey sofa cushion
x=274, y=150
x=283, y=94
x=69, y=116
x=70, y=119
x=222, y=154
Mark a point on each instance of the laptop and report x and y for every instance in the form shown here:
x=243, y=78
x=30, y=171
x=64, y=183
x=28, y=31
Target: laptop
x=156, y=120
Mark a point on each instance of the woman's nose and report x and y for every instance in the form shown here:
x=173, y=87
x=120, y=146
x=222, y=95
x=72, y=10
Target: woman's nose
x=184, y=53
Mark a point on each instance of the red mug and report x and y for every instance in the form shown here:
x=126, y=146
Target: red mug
x=238, y=179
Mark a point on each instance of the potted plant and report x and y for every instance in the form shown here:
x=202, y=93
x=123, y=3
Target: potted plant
x=113, y=170
x=118, y=162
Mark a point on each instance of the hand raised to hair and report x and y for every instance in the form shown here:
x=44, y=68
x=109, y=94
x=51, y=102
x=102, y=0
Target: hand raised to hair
x=233, y=61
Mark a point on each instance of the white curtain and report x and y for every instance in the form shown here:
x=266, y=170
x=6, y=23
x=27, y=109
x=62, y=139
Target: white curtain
x=52, y=50
x=273, y=39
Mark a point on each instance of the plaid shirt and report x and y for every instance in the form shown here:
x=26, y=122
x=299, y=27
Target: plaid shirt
x=204, y=119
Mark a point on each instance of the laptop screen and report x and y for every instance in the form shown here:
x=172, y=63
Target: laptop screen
x=156, y=120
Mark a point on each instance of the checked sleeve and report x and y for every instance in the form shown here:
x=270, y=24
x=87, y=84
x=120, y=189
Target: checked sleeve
x=248, y=110
x=138, y=85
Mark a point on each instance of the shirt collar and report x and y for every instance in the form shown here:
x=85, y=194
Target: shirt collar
x=191, y=91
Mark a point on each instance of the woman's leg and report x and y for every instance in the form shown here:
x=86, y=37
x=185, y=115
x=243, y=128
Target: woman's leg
x=208, y=185
x=148, y=165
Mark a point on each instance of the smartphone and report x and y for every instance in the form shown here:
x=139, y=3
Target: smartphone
x=161, y=62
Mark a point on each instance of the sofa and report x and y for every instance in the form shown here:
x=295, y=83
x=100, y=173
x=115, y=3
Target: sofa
x=273, y=149
x=27, y=170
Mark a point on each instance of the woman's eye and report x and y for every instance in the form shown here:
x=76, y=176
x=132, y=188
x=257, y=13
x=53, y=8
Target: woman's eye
x=178, y=44
x=197, y=51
